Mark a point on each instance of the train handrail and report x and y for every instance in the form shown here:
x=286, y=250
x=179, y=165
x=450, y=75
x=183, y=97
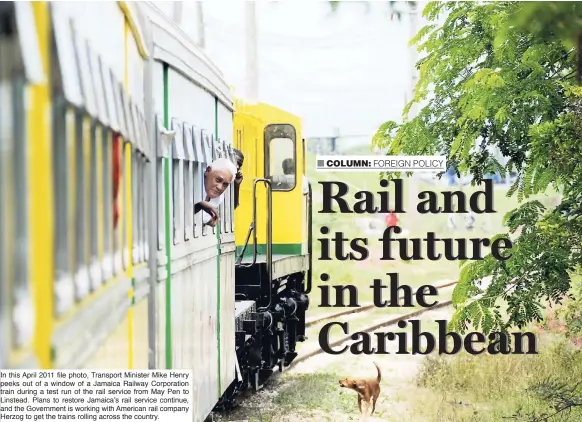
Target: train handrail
x=309, y=238
x=239, y=260
x=269, y=258
x=252, y=228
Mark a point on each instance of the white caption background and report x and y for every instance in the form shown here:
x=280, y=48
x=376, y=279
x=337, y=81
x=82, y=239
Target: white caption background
x=89, y=395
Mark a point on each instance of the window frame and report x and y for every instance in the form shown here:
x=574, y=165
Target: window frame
x=267, y=155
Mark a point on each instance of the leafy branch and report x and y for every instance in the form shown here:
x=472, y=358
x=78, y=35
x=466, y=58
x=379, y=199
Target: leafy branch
x=494, y=83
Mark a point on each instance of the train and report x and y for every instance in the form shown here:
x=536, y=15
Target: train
x=109, y=115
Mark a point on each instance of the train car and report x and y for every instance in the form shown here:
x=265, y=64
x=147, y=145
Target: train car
x=105, y=134
x=273, y=243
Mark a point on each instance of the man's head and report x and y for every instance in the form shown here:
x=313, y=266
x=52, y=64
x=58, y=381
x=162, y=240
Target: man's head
x=288, y=166
x=218, y=176
x=240, y=158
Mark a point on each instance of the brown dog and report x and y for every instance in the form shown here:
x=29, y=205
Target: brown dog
x=368, y=390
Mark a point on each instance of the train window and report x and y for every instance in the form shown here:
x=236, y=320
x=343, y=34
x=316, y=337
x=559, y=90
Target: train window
x=144, y=181
x=82, y=55
x=98, y=89
x=107, y=204
x=126, y=197
x=118, y=91
x=14, y=192
x=227, y=194
x=28, y=39
x=128, y=113
x=118, y=202
x=63, y=132
x=197, y=177
x=207, y=146
x=81, y=274
x=189, y=206
x=6, y=205
x=104, y=167
x=159, y=125
x=112, y=113
x=23, y=310
x=222, y=213
x=70, y=79
x=176, y=199
x=178, y=181
x=197, y=189
x=135, y=205
x=160, y=201
x=205, y=228
x=188, y=183
x=144, y=209
x=95, y=196
x=280, y=159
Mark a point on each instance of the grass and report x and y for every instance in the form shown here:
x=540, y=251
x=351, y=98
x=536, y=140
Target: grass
x=459, y=388
x=498, y=387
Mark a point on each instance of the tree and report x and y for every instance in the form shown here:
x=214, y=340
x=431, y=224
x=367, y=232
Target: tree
x=492, y=79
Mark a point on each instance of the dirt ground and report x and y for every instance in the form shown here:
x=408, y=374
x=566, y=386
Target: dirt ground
x=311, y=392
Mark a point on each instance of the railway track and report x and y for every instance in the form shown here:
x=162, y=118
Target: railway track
x=392, y=320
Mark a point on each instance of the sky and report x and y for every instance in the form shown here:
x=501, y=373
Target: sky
x=346, y=72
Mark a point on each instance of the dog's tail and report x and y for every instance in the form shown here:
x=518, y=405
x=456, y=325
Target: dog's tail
x=379, y=372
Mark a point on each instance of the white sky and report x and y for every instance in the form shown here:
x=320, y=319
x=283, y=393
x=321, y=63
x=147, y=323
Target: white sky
x=349, y=70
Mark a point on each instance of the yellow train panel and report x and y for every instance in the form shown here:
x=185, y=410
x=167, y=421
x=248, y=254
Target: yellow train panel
x=271, y=140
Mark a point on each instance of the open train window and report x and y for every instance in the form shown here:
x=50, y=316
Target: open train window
x=280, y=157
x=16, y=300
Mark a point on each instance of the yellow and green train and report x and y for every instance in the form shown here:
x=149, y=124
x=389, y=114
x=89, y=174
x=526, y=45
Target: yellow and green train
x=109, y=115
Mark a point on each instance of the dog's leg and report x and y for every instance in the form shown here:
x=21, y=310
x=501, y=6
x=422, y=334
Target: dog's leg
x=366, y=409
x=374, y=398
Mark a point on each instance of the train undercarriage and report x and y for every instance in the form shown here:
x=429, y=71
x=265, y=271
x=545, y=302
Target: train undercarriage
x=267, y=334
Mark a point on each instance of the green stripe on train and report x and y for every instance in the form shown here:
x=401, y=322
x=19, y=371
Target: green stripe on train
x=278, y=249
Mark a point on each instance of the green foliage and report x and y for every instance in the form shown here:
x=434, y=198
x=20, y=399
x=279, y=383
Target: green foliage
x=571, y=313
x=491, y=80
x=561, y=21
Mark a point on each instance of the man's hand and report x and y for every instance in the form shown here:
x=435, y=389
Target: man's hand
x=238, y=178
x=207, y=206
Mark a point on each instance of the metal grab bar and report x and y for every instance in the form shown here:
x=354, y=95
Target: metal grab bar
x=239, y=260
x=252, y=227
x=309, y=238
x=269, y=258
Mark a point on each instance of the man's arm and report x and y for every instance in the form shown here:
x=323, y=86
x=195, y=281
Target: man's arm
x=207, y=207
x=237, y=181
x=236, y=189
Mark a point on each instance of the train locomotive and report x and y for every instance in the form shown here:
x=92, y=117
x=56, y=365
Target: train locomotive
x=109, y=116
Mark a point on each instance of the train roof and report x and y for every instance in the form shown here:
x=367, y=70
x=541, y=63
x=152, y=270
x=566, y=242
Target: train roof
x=173, y=46
x=269, y=112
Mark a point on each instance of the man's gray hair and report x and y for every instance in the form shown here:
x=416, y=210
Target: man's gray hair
x=223, y=164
